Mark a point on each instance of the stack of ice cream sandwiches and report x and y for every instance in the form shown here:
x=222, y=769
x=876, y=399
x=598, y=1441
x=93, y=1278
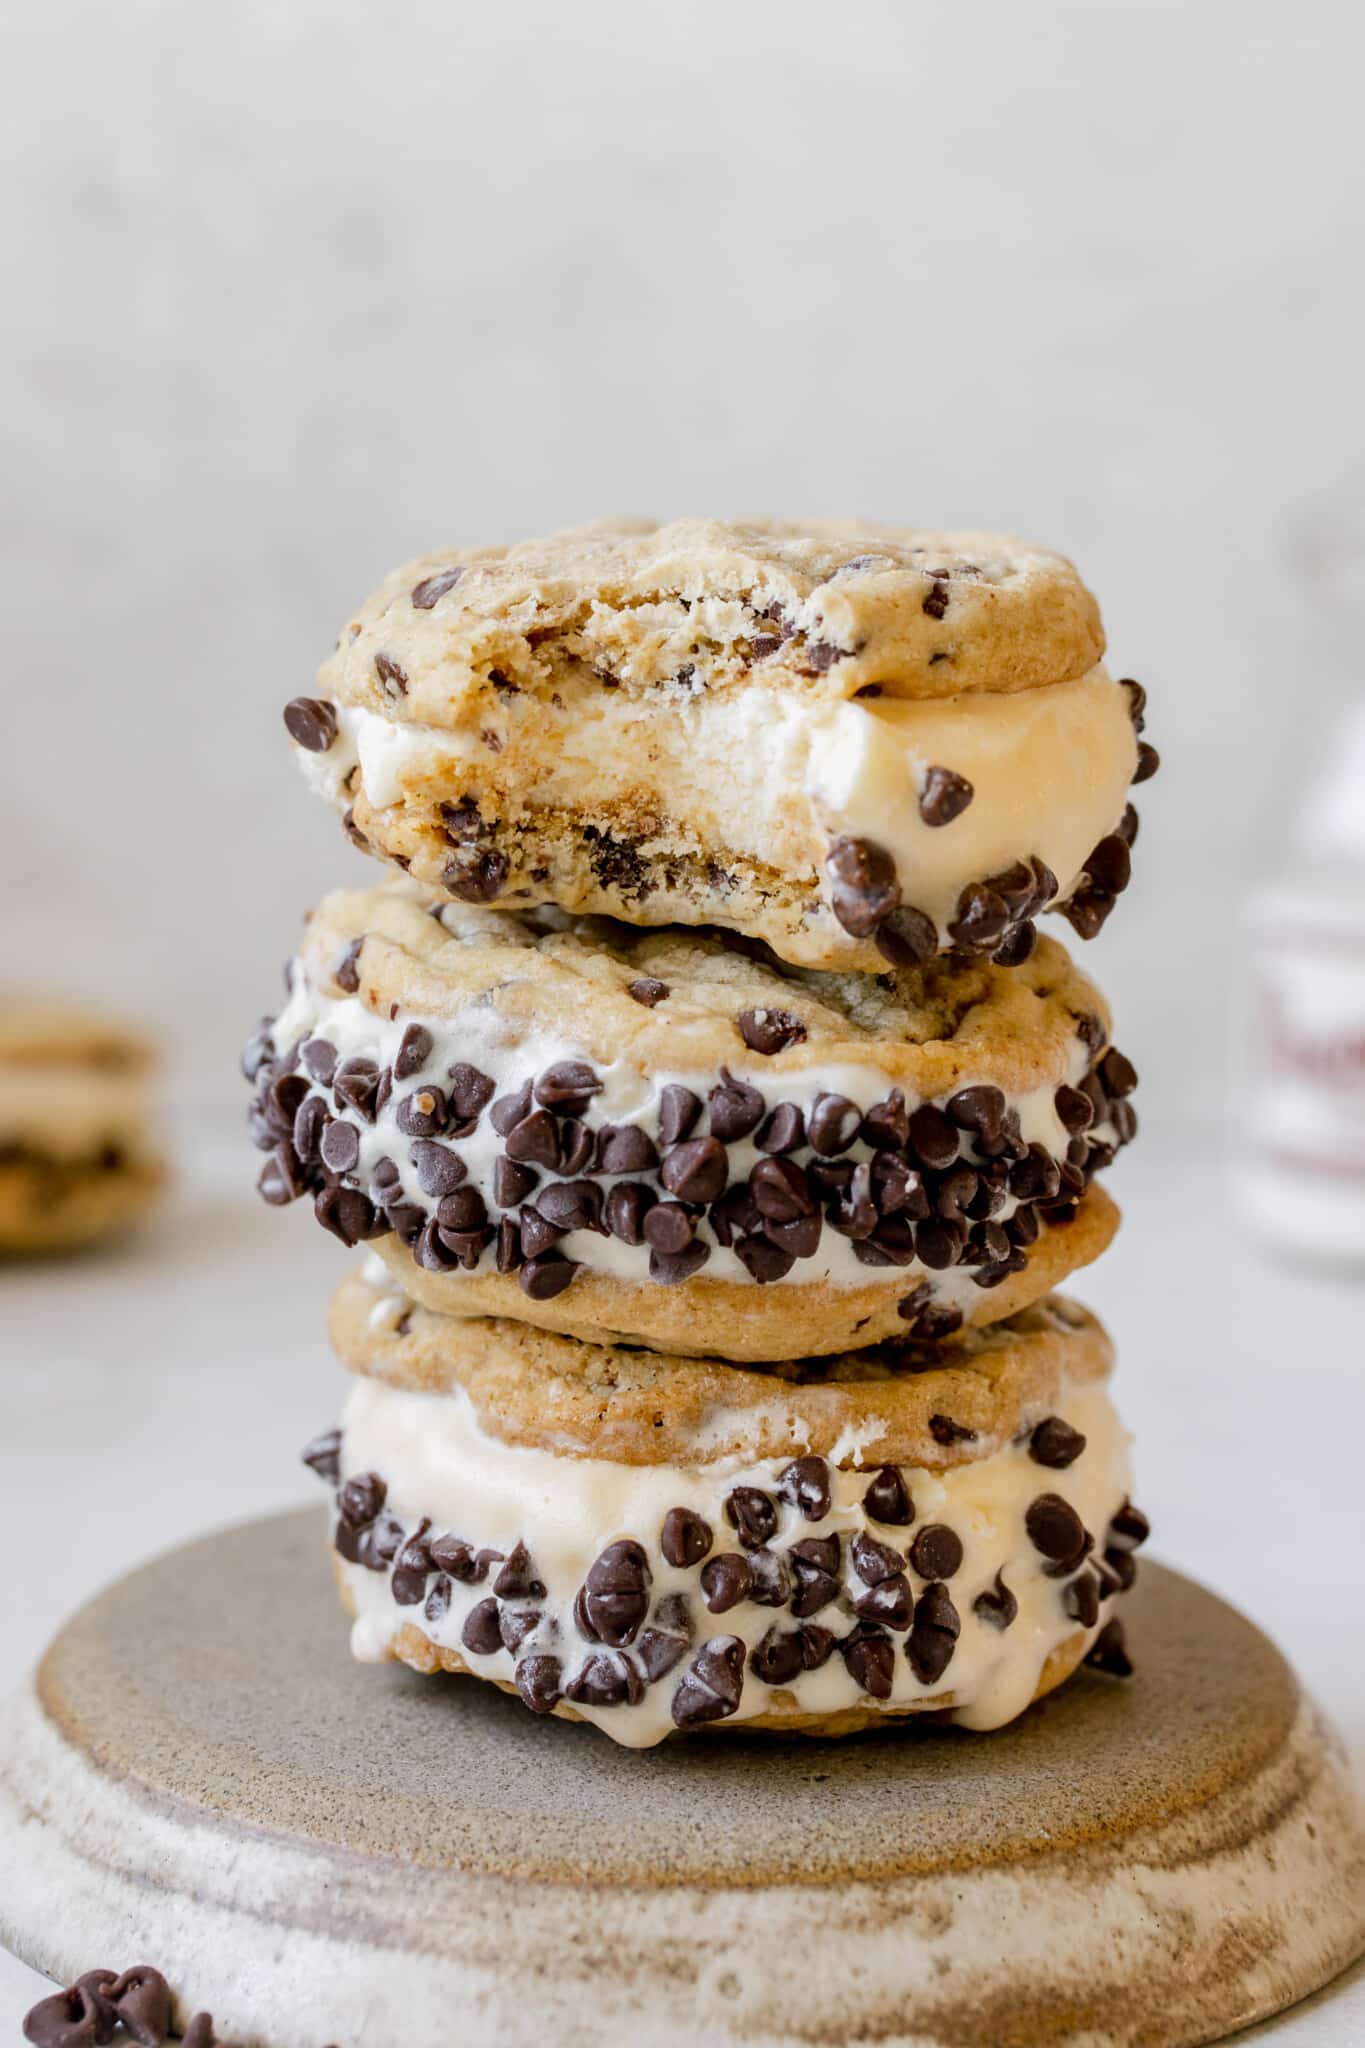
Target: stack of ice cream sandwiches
x=717, y=1123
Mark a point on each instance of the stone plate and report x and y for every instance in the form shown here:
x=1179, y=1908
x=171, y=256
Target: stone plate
x=319, y=1852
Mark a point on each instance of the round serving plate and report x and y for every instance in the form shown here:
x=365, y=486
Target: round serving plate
x=317, y=1851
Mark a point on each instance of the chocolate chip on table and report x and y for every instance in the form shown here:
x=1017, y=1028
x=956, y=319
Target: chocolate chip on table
x=695, y=1169
x=568, y=1087
x=535, y=1140
x=1055, y=1443
x=311, y=722
x=871, y=1659
x=615, y=1596
x=646, y=990
x=625, y=1148
x=944, y=796
x=725, y=1581
x=933, y=1637
x=1148, y=761
x=346, y=973
x=804, y=1484
x=782, y=1130
x=626, y=1209
x=996, y=1606
x=685, y=1538
x=474, y=876
x=1055, y=1529
x=887, y=1499
x=481, y=1632
x=711, y=1688
x=547, y=1275
x=752, y=1515
x=936, y=1552
x=1109, y=1651
x=865, y=889
x=906, y=937
x=426, y=593
x=679, y=1109
x=769, y=1031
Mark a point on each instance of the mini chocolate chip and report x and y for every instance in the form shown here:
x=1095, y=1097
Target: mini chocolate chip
x=1118, y=1074
x=769, y=1031
x=685, y=1538
x=1055, y=1529
x=799, y=1236
x=340, y=1146
x=451, y=1554
x=932, y=1137
x=936, y=598
x=346, y=974
x=356, y=1083
x=1129, y=1529
x=1074, y=1109
x=423, y=1113
x=660, y=1648
x=695, y=1169
x=936, y=1552
x=310, y=1123
x=814, y=1586
x=547, y=1275
x=888, y=1500
x=392, y=675
x=671, y=1268
x=413, y=1052
x=362, y=1498
x=891, y=1602
x=933, y=1638
x=568, y=1086
x=322, y=1455
x=573, y=1205
x=537, y=1679
x=281, y=1178
x=940, y=1243
x=625, y=1148
x=772, y=1579
x=625, y=1210
x=1148, y=761
x=535, y=1140
x=762, y=1260
x=804, y=1484
x=462, y=1210
x=426, y=593
x=1055, y=1443
x=782, y=1130
x=979, y=1108
x=669, y=1227
x=614, y=1599
x=776, y=1658
x=474, y=876
x=945, y=1431
x=996, y=1606
x=348, y=1214
x=439, y=1170
x=725, y=1580
x=735, y=1107
x=865, y=889
x=605, y=1681
x=751, y=1513
x=140, y=1998
x=1123, y=1566
x=886, y=1127
x=871, y=1659
x=832, y=1124
x=481, y=1633
x=576, y=1146
x=874, y=1561
x=679, y=1109
x=645, y=989
x=411, y=1566
x=897, y=1189
x=1109, y=1651
x=712, y=1687
x=518, y=1579
x=319, y=1055
x=929, y=1319
x=311, y=722
x=512, y=1183
x=780, y=1190
x=1082, y=1599
x=510, y=1251
x=944, y=796
x=510, y=1110
x=906, y=937
x=470, y=1093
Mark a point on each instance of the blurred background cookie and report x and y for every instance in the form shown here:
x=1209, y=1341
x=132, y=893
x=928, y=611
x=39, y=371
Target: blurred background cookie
x=79, y=1161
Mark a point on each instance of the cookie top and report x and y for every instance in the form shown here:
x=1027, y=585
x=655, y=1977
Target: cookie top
x=904, y=1402
x=681, y=1000
x=43, y=1031
x=827, y=610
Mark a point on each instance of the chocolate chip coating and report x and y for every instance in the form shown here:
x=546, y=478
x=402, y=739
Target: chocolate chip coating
x=685, y=1539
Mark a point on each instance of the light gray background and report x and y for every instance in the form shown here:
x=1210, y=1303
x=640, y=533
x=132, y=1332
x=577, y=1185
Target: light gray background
x=295, y=290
